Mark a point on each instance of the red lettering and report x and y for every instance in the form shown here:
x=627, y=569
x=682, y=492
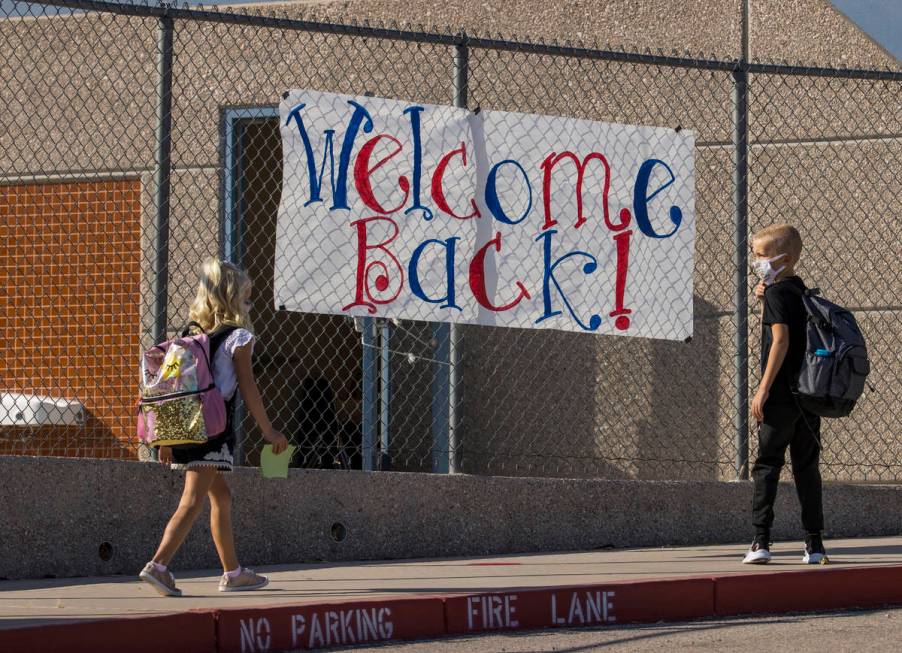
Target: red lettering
x=477, y=279
x=623, y=255
x=625, y=218
x=362, y=172
x=362, y=295
x=438, y=192
x=548, y=165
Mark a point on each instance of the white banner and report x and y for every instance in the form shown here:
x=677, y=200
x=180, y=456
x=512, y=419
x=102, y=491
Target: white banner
x=423, y=212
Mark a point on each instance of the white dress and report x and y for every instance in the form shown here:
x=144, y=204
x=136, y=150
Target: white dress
x=219, y=451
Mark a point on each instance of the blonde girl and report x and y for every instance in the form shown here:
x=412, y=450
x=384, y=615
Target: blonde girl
x=221, y=308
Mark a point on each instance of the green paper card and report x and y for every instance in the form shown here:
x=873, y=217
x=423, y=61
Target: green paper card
x=275, y=466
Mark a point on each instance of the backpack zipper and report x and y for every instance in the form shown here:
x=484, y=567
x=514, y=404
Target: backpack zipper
x=176, y=395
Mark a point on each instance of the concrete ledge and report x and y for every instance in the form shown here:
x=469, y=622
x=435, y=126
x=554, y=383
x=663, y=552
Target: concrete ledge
x=65, y=517
x=311, y=627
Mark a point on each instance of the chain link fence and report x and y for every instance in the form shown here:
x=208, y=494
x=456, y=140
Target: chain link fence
x=138, y=139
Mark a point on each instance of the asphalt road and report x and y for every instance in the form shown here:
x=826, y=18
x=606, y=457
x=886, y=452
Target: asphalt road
x=830, y=632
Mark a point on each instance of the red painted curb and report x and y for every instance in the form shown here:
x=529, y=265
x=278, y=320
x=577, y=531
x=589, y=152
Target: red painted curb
x=591, y=605
x=343, y=623
x=185, y=632
x=307, y=627
x=818, y=588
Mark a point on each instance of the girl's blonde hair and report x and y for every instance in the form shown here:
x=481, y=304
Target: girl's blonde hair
x=220, y=296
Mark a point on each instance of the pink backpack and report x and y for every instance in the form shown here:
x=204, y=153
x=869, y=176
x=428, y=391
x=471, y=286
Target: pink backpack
x=179, y=403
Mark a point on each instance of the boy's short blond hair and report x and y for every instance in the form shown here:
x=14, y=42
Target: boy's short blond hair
x=784, y=237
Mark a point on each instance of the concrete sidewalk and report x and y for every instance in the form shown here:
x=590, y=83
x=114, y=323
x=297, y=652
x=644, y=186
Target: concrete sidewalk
x=43, y=602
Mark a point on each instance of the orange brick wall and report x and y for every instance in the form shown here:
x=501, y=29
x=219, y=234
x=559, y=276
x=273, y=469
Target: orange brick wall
x=69, y=327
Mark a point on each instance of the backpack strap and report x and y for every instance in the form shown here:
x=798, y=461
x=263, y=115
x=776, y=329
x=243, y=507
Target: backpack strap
x=811, y=431
x=187, y=330
x=218, y=337
x=806, y=294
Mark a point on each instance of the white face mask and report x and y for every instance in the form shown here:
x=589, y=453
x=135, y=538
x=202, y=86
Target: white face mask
x=766, y=271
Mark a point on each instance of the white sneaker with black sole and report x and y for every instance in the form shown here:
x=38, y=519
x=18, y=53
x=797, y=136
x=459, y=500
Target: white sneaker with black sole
x=759, y=552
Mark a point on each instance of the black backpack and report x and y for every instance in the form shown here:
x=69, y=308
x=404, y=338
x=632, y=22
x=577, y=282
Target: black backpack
x=833, y=372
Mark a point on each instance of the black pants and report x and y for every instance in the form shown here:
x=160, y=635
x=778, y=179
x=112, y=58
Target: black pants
x=786, y=425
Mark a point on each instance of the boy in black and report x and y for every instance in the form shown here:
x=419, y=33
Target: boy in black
x=782, y=422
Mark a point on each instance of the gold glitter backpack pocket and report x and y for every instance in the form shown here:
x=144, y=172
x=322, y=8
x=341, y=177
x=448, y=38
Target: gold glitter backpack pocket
x=179, y=403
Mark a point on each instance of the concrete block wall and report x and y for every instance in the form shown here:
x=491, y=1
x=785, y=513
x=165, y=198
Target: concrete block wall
x=125, y=505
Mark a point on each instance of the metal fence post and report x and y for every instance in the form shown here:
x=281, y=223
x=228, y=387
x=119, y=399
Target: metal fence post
x=385, y=396
x=370, y=422
x=370, y=366
x=161, y=175
x=461, y=87
x=445, y=334
x=441, y=451
x=740, y=251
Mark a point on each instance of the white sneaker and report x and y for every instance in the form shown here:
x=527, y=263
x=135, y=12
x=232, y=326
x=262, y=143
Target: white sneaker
x=815, y=554
x=162, y=581
x=246, y=581
x=759, y=552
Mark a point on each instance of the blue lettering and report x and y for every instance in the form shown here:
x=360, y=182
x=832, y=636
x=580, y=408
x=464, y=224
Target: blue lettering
x=340, y=184
x=549, y=278
x=641, y=199
x=491, y=193
x=414, y=113
x=414, y=275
